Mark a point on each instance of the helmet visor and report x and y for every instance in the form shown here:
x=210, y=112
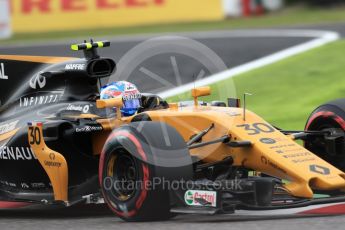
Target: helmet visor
x=130, y=107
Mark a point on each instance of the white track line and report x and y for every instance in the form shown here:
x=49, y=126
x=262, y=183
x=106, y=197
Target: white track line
x=322, y=38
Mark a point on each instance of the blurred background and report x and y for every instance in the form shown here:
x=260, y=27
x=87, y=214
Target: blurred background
x=28, y=19
x=295, y=86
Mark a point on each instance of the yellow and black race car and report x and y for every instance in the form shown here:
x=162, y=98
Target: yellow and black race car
x=61, y=146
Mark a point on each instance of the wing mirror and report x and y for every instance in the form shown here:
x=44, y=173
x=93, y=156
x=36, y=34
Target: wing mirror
x=200, y=92
x=116, y=102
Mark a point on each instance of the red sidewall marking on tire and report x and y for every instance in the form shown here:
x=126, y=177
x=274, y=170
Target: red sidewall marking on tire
x=146, y=173
x=327, y=114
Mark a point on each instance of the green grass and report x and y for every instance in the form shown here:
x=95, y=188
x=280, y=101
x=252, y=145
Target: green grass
x=286, y=92
x=291, y=16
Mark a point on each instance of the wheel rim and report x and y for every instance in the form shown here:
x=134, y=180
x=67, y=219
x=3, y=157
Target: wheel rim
x=122, y=169
x=318, y=146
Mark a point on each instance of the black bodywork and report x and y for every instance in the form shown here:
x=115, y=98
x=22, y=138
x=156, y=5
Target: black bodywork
x=57, y=95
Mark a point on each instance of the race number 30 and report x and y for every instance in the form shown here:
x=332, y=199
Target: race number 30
x=34, y=136
x=257, y=128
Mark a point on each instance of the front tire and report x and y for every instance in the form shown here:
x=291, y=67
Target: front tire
x=328, y=116
x=138, y=154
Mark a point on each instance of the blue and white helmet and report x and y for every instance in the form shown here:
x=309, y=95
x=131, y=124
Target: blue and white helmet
x=130, y=95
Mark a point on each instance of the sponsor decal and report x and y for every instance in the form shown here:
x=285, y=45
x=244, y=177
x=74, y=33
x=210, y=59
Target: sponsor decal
x=266, y=161
x=10, y=184
x=282, y=146
x=16, y=153
x=293, y=150
x=268, y=141
x=40, y=100
x=294, y=155
x=52, y=156
x=50, y=7
x=38, y=185
x=81, y=108
x=52, y=162
x=131, y=95
x=5, y=128
x=24, y=185
x=191, y=197
x=2, y=72
x=304, y=160
x=279, y=139
x=130, y=87
x=75, y=66
x=38, y=81
x=66, y=14
x=88, y=129
x=320, y=169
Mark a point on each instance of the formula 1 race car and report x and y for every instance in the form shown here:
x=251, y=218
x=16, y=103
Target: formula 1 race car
x=60, y=146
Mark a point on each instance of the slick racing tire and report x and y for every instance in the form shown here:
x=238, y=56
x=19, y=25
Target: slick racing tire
x=328, y=116
x=135, y=160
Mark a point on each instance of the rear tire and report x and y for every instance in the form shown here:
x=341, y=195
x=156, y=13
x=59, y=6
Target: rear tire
x=328, y=116
x=139, y=154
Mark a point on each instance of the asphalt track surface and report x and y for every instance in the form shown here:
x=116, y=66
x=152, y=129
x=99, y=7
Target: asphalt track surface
x=101, y=218
x=234, y=52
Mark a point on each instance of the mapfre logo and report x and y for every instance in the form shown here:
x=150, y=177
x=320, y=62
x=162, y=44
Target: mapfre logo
x=38, y=81
x=2, y=72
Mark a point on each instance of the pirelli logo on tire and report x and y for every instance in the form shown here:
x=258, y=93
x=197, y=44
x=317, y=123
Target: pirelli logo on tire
x=60, y=15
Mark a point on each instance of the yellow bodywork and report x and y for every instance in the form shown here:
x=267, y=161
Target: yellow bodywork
x=53, y=162
x=271, y=152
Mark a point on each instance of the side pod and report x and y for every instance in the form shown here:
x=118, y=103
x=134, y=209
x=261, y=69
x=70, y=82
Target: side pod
x=53, y=162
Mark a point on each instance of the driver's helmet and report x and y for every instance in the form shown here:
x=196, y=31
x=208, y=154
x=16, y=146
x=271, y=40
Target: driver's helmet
x=130, y=95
